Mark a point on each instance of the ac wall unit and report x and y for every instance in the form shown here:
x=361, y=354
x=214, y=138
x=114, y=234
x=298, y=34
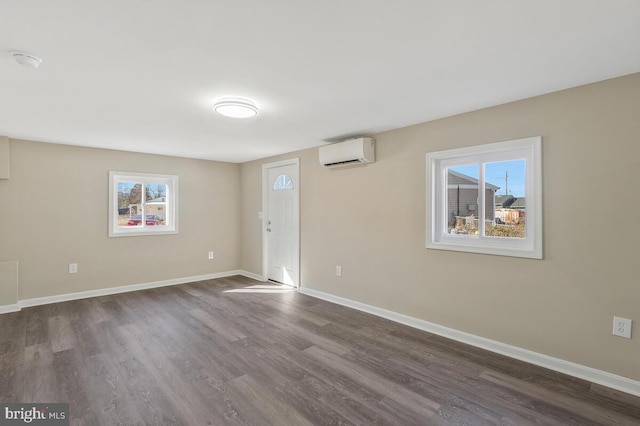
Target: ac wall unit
x=352, y=151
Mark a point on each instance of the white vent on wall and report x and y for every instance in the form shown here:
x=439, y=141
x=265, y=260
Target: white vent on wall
x=352, y=151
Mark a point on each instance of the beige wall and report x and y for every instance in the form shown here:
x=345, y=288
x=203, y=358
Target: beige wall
x=371, y=220
x=8, y=283
x=54, y=212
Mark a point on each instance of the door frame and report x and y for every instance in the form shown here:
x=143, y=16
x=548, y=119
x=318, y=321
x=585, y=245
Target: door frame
x=296, y=218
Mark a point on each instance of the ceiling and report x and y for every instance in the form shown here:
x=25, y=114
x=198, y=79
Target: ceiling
x=143, y=75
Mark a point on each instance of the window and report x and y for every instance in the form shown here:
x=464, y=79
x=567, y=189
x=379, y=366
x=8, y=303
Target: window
x=282, y=182
x=142, y=204
x=486, y=199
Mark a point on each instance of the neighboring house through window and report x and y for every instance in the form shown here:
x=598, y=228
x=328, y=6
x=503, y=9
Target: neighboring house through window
x=462, y=195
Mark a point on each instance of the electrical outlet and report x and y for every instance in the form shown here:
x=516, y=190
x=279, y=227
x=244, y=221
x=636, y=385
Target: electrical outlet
x=622, y=327
x=338, y=271
x=210, y=255
x=73, y=268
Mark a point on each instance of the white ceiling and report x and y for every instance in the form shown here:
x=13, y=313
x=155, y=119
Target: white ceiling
x=142, y=75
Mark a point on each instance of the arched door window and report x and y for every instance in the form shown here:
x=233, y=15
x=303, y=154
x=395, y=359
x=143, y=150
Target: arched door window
x=282, y=182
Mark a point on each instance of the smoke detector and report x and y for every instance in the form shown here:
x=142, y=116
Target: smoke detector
x=26, y=59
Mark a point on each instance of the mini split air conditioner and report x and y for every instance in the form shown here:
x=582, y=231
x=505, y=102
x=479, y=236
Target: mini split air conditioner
x=352, y=151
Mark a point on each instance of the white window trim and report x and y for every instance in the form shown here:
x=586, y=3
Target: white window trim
x=145, y=178
x=437, y=162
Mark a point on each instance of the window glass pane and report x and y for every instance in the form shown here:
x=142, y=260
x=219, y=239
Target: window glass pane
x=283, y=182
x=156, y=204
x=129, y=204
x=505, y=192
x=462, y=200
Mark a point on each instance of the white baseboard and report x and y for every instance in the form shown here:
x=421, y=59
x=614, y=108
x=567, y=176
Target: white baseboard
x=251, y=275
x=122, y=289
x=593, y=375
x=25, y=303
x=5, y=309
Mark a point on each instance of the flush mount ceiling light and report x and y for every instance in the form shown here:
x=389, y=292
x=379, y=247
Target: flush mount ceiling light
x=236, y=108
x=26, y=59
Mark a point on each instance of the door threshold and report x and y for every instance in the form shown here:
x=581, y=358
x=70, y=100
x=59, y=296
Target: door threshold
x=279, y=283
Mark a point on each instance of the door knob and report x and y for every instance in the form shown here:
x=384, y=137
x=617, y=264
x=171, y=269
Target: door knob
x=268, y=229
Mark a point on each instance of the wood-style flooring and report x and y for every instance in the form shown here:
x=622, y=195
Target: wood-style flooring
x=240, y=352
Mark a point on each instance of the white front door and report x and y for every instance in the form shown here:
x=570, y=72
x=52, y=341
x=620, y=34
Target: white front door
x=282, y=223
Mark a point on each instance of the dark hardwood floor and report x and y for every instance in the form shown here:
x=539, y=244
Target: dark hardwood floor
x=230, y=351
